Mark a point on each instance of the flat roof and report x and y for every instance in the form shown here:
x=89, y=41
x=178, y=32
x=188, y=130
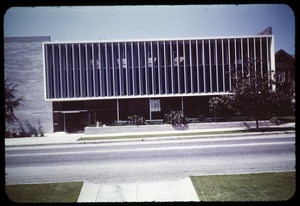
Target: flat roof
x=157, y=39
x=26, y=39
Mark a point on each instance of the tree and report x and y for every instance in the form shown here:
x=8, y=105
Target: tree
x=11, y=102
x=253, y=94
x=222, y=106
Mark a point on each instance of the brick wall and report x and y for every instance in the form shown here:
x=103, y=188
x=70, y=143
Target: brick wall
x=23, y=65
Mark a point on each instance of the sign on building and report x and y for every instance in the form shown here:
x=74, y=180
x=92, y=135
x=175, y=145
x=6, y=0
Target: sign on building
x=155, y=105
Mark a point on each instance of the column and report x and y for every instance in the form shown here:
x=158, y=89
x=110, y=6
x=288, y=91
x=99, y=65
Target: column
x=210, y=72
x=118, y=111
x=114, y=93
x=100, y=71
x=184, y=69
x=158, y=68
x=204, y=67
x=178, y=68
x=146, y=69
x=272, y=60
x=182, y=105
x=229, y=63
x=191, y=67
x=120, y=70
x=166, y=67
x=223, y=69
x=197, y=65
x=217, y=65
x=172, y=68
x=153, y=89
x=150, y=114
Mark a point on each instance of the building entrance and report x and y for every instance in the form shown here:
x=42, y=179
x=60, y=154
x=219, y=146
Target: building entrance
x=71, y=121
x=73, y=116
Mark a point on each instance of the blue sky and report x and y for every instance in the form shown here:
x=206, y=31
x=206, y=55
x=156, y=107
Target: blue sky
x=142, y=22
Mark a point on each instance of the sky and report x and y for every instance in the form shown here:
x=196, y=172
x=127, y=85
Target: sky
x=144, y=22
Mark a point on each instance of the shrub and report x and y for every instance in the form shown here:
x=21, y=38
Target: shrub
x=29, y=130
x=175, y=118
x=136, y=120
x=40, y=129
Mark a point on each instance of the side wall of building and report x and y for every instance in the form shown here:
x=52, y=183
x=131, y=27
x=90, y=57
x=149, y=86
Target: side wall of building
x=23, y=65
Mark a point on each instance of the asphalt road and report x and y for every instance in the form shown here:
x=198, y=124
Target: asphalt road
x=149, y=160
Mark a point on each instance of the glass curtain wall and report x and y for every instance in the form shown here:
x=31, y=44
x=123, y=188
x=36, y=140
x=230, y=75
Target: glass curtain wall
x=146, y=68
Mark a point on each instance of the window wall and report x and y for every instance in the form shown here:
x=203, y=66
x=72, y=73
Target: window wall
x=148, y=68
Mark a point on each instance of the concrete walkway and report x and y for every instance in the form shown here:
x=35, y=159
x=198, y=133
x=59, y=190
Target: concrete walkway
x=178, y=191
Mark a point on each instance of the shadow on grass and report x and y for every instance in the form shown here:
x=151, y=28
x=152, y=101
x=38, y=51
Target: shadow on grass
x=63, y=192
x=271, y=129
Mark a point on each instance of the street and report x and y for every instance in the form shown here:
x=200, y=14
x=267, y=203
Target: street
x=150, y=160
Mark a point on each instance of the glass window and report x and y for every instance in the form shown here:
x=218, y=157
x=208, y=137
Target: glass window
x=281, y=77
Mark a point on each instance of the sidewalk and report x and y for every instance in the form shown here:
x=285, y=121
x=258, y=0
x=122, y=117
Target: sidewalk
x=65, y=138
x=182, y=190
x=55, y=138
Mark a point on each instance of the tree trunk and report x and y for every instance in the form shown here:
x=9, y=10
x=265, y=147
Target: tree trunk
x=257, y=126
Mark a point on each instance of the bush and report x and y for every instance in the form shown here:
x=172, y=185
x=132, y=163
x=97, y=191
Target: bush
x=175, y=118
x=25, y=129
x=136, y=120
x=31, y=130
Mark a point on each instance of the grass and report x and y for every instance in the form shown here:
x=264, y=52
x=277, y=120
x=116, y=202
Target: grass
x=181, y=134
x=41, y=193
x=275, y=186
x=287, y=118
x=157, y=135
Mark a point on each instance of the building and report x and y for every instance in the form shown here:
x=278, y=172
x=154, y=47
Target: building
x=107, y=81
x=23, y=65
x=68, y=85
x=285, y=71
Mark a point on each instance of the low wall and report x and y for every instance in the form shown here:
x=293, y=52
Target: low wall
x=168, y=127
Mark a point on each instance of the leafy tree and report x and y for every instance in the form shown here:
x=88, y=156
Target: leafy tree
x=254, y=94
x=222, y=106
x=11, y=102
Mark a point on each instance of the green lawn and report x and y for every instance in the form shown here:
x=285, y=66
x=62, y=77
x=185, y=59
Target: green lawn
x=287, y=118
x=275, y=186
x=157, y=135
x=86, y=138
x=41, y=193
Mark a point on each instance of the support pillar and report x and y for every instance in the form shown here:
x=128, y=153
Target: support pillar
x=182, y=105
x=64, y=122
x=90, y=118
x=150, y=114
x=118, y=111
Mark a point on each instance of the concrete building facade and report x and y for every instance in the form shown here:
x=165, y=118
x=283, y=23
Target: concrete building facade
x=23, y=65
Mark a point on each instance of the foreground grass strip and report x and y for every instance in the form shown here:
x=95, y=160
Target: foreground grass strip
x=41, y=193
x=246, y=187
x=181, y=134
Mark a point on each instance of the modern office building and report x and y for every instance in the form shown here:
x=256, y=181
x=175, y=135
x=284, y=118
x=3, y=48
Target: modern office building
x=107, y=81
